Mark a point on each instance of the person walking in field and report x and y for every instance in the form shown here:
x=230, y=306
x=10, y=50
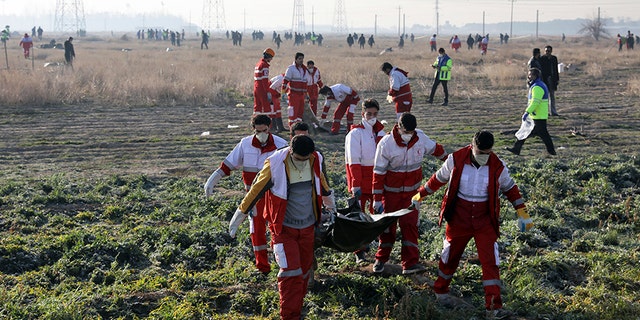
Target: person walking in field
x=205, y=40
x=550, y=76
x=250, y=154
x=443, y=65
x=69, y=53
x=359, y=153
x=295, y=189
x=538, y=110
x=314, y=84
x=399, y=89
x=347, y=99
x=534, y=61
x=275, y=85
x=295, y=84
x=26, y=43
x=471, y=207
x=261, y=93
x=397, y=172
x=432, y=43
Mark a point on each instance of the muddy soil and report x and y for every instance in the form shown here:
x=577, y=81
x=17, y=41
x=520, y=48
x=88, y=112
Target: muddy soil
x=597, y=117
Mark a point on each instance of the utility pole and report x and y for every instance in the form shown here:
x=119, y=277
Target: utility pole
x=375, y=25
x=437, y=18
x=483, y=23
x=511, y=28
x=312, y=20
x=404, y=24
x=399, y=8
x=537, y=12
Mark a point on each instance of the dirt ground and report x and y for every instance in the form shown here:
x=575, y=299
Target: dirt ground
x=597, y=116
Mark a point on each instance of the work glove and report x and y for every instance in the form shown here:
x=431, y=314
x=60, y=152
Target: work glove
x=389, y=99
x=525, y=116
x=377, y=207
x=212, y=182
x=236, y=221
x=416, y=201
x=356, y=192
x=524, y=220
x=269, y=97
x=329, y=202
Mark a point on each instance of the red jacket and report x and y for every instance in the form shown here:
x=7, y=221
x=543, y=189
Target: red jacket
x=461, y=158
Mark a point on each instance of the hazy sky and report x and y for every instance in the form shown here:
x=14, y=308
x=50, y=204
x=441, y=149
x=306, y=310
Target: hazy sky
x=359, y=13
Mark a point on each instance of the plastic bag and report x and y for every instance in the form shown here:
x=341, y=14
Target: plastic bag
x=525, y=129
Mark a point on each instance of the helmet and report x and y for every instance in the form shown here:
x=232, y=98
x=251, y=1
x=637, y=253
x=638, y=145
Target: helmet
x=270, y=52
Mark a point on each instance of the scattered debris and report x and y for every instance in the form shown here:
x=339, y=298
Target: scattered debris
x=390, y=49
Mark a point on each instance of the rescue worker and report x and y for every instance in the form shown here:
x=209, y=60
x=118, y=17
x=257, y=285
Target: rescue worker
x=347, y=99
x=274, y=96
x=397, y=172
x=314, y=84
x=443, y=65
x=261, y=103
x=26, y=43
x=295, y=190
x=359, y=153
x=432, y=43
x=471, y=207
x=399, y=89
x=538, y=110
x=250, y=154
x=295, y=84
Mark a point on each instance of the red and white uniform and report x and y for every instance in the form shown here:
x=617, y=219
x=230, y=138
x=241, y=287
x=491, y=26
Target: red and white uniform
x=400, y=91
x=359, y=153
x=314, y=84
x=348, y=100
x=471, y=206
x=261, y=87
x=292, y=247
x=455, y=43
x=295, y=83
x=250, y=155
x=483, y=45
x=26, y=43
x=275, y=85
x=397, y=174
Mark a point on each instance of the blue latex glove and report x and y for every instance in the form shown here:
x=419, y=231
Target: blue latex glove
x=525, y=116
x=377, y=207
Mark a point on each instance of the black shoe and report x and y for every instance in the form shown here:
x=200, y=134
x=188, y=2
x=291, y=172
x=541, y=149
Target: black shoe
x=444, y=104
x=430, y=101
x=512, y=150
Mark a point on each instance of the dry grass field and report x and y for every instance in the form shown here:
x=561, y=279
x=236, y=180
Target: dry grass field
x=102, y=213
x=144, y=110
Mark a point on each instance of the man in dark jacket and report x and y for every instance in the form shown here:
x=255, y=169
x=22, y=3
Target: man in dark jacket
x=69, y=52
x=550, y=77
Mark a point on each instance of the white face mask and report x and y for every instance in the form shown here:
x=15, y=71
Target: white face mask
x=262, y=137
x=481, y=159
x=371, y=121
x=406, y=137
